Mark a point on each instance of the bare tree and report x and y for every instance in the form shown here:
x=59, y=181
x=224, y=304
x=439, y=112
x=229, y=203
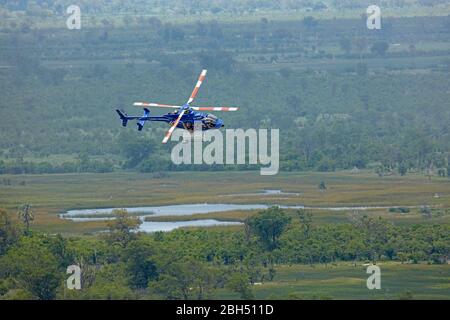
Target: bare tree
x=26, y=215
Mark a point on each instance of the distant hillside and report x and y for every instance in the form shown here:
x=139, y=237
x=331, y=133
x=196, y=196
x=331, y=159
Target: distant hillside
x=341, y=95
x=236, y=7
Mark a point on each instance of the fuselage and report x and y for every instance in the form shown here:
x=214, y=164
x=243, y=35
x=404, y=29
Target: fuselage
x=208, y=120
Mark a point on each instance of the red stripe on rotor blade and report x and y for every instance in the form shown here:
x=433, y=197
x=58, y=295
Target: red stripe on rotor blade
x=194, y=93
x=215, y=108
x=197, y=85
x=150, y=104
x=169, y=133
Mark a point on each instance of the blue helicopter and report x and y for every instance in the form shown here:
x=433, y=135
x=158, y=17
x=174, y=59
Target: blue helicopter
x=185, y=117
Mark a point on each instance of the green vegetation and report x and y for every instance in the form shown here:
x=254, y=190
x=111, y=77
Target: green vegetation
x=364, y=120
x=343, y=96
x=199, y=264
x=269, y=225
x=53, y=194
x=316, y=254
x=347, y=281
x=32, y=268
x=117, y=13
x=26, y=215
x=122, y=227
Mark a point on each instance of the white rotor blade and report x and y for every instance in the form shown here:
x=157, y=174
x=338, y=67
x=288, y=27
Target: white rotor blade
x=150, y=104
x=169, y=133
x=197, y=86
x=215, y=108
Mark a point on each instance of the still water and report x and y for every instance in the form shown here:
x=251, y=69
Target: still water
x=186, y=210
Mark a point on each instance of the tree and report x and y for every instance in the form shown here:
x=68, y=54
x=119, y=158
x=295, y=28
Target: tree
x=140, y=265
x=34, y=268
x=188, y=279
x=442, y=172
x=220, y=60
x=356, y=247
x=376, y=233
x=9, y=232
x=121, y=229
x=268, y=225
x=294, y=102
x=26, y=215
x=305, y=221
x=379, y=48
x=171, y=32
x=239, y=283
x=402, y=169
x=309, y=22
x=110, y=283
x=135, y=148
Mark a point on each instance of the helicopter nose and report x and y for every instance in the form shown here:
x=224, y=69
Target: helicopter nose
x=219, y=123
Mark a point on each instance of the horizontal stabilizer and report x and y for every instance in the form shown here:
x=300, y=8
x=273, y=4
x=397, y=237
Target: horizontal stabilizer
x=123, y=116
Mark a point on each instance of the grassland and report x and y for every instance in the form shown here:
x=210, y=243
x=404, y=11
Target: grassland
x=93, y=20
x=54, y=194
x=347, y=281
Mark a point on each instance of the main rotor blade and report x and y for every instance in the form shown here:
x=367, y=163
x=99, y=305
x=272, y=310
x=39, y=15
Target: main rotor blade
x=150, y=104
x=197, y=86
x=169, y=133
x=215, y=108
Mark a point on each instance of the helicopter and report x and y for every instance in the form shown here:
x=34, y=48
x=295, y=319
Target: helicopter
x=184, y=117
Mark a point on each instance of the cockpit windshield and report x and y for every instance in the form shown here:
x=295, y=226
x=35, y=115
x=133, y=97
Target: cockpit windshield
x=210, y=120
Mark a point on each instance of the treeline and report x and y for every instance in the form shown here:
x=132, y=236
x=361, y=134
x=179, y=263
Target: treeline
x=199, y=264
x=49, y=8
x=30, y=167
x=348, y=112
